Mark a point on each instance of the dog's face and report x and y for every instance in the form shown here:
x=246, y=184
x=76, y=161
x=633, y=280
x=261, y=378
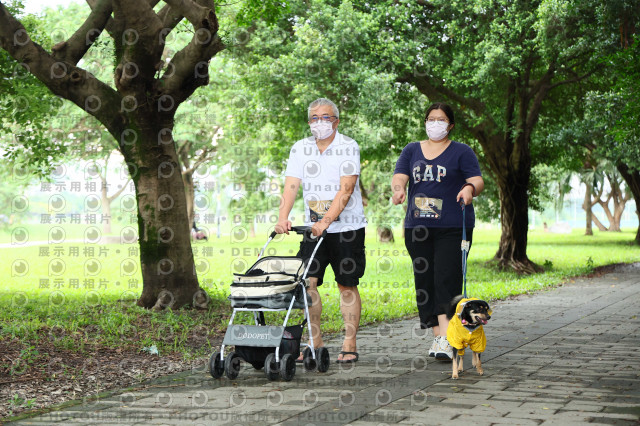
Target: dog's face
x=475, y=313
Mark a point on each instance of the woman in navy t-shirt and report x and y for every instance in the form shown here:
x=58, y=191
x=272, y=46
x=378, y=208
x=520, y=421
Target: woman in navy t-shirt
x=441, y=174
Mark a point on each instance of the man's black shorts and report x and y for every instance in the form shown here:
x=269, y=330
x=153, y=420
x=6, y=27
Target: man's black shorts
x=344, y=251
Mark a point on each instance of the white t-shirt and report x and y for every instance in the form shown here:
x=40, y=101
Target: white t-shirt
x=320, y=175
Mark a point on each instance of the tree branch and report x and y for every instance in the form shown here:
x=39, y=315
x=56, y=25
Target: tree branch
x=204, y=156
x=170, y=17
x=65, y=80
x=540, y=90
x=110, y=25
x=189, y=68
x=196, y=14
x=79, y=43
x=119, y=191
x=433, y=91
x=572, y=80
x=140, y=47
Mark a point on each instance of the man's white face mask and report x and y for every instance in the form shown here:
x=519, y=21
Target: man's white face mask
x=321, y=129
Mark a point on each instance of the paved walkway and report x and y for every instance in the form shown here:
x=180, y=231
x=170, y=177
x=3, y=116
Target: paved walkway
x=570, y=355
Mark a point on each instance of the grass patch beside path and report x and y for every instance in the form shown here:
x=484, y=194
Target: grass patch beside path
x=53, y=318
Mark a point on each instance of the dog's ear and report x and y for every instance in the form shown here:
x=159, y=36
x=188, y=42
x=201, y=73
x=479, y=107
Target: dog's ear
x=487, y=307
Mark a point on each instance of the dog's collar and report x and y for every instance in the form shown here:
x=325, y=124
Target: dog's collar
x=471, y=329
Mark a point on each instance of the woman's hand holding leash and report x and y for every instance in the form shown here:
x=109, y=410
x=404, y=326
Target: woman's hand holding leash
x=466, y=194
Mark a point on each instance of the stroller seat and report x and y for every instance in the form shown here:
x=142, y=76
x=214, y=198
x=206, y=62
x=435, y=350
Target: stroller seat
x=270, y=283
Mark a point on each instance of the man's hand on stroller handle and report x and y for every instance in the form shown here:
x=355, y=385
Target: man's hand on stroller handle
x=319, y=228
x=283, y=227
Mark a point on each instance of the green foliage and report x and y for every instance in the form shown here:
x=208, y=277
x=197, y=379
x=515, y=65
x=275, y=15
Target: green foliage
x=269, y=11
x=27, y=106
x=623, y=106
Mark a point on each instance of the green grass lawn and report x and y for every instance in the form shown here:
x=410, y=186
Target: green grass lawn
x=78, y=299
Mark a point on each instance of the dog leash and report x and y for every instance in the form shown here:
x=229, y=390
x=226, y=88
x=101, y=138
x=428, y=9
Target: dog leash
x=465, y=249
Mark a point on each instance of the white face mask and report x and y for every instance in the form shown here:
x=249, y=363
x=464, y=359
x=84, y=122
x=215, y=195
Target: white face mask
x=321, y=129
x=437, y=130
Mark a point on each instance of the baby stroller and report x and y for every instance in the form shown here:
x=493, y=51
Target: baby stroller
x=273, y=283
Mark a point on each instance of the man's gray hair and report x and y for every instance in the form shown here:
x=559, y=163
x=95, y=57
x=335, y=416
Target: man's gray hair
x=320, y=102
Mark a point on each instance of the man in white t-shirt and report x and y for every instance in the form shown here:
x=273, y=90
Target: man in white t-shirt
x=327, y=165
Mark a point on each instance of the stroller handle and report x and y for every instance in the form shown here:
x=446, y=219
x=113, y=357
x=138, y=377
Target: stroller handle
x=301, y=230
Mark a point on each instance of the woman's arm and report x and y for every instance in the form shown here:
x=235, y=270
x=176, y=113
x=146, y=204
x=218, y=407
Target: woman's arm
x=398, y=186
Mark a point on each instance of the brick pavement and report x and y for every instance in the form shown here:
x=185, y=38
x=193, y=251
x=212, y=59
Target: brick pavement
x=570, y=355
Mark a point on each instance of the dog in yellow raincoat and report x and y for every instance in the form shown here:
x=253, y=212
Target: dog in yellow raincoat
x=466, y=318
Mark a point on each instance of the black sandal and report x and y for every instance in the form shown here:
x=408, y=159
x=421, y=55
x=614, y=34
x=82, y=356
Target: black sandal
x=348, y=361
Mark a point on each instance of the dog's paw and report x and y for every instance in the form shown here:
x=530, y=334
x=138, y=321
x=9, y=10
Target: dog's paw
x=480, y=371
x=454, y=376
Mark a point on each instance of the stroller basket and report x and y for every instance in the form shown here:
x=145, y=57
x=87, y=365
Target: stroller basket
x=290, y=344
x=270, y=283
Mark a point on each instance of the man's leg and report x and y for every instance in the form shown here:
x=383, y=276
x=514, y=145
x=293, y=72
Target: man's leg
x=315, y=311
x=351, y=307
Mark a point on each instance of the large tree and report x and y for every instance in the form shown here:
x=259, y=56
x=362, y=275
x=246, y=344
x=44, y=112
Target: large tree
x=138, y=111
x=503, y=65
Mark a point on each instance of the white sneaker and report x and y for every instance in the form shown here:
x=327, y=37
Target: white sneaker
x=434, y=346
x=445, y=351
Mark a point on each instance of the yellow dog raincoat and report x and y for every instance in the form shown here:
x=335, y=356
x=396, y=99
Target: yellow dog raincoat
x=461, y=337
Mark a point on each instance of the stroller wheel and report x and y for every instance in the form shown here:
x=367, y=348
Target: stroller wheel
x=287, y=367
x=232, y=365
x=322, y=357
x=271, y=367
x=307, y=360
x=216, y=367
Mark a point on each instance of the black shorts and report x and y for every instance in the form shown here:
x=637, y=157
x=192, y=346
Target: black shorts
x=344, y=251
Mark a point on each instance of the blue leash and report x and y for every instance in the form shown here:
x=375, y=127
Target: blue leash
x=465, y=249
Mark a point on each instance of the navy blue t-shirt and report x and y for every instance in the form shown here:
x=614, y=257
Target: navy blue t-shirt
x=434, y=185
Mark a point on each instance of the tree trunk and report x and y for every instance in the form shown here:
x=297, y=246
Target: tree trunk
x=514, y=218
x=607, y=212
x=190, y=197
x=187, y=178
x=619, y=201
x=166, y=258
x=586, y=205
x=617, y=213
x=599, y=224
x=632, y=179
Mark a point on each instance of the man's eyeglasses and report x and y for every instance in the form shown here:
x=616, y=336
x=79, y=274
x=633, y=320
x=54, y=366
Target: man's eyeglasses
x=329, y=118
x=437, y=120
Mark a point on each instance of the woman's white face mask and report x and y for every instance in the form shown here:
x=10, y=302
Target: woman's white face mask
x=437, y=130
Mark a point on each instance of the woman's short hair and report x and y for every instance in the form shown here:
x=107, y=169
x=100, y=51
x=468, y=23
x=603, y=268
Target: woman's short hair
x=448, y=111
